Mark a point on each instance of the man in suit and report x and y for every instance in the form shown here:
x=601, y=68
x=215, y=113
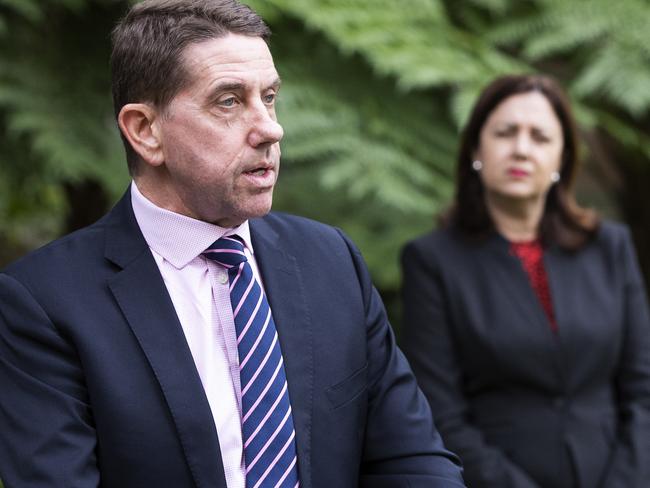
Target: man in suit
x=142, y=352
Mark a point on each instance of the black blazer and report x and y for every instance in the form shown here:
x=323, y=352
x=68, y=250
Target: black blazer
x=98, y=385
x=522, y=407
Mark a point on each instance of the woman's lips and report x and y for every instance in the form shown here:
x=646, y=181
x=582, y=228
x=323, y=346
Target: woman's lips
x=518, y=173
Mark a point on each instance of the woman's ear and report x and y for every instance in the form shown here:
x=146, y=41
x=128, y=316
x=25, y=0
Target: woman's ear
x=139, y=126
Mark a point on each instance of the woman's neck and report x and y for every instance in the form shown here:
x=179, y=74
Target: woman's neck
x=515, y=219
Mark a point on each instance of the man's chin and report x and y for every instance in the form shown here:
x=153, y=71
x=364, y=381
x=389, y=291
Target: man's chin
x=262, y=210
x=238, y=218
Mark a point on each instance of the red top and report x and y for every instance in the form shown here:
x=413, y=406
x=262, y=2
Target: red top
x=531, y=255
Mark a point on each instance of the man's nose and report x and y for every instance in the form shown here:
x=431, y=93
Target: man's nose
x=265, y=129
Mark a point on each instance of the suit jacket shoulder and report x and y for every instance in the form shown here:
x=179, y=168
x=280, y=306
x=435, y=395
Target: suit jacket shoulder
x=296, y=232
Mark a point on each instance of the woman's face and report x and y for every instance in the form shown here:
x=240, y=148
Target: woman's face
x=520, y=147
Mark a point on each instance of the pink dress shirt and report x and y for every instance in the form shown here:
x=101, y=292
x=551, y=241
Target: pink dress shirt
x=198, y=288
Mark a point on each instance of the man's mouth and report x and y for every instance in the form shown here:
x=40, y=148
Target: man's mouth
x=262, y=176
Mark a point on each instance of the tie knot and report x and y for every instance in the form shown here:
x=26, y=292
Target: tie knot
x=227, y=251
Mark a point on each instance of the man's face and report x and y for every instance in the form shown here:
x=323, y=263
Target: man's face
x=220, y=137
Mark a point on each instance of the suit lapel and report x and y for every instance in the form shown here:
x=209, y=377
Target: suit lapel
x=557, y=266
x=285, y=291
x=143, y=298
x=510, y=275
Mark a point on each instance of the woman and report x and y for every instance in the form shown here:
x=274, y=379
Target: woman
x=526, y=319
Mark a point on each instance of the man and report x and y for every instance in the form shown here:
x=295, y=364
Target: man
x=142, y=352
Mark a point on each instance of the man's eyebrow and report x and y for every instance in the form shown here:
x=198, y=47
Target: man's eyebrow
x=226, y=86
x=276, y=83
x=236, y=86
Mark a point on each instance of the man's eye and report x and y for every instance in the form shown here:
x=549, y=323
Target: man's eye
x=228, y=102
x=270, y=98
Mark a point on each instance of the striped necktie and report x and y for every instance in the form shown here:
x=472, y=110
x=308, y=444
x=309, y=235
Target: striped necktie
x=267, y=424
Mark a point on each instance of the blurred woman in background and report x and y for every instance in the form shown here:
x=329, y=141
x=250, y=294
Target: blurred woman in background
x=525, y=317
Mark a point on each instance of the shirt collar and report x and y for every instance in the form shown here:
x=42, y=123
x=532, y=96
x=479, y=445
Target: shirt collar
x=178, y=238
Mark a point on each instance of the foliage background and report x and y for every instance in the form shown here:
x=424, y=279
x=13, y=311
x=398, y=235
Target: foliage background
x=374, y=94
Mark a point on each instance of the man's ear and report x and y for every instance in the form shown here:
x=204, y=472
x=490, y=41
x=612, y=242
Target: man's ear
x=138, y=124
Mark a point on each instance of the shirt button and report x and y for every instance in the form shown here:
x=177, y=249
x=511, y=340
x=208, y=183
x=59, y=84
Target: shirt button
x=223, y=278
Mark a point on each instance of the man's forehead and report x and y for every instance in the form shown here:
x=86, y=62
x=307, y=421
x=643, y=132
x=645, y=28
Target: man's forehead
x=232, y=53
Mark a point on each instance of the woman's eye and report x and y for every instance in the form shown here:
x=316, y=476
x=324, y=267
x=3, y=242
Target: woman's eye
x=541, y=138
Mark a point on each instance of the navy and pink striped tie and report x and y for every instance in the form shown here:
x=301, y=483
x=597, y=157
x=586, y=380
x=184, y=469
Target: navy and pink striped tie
x=267, y=424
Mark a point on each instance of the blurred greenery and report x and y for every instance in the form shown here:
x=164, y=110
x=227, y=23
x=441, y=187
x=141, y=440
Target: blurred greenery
x=374, y=94
x=373, y=97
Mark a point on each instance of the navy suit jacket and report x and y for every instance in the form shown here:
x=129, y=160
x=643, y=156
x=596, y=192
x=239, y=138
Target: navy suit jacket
x=98, y=386
x=522, y=406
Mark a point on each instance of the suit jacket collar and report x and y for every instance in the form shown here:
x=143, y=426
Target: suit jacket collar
x=510, y=274
x=142, y=296
x=124, y=241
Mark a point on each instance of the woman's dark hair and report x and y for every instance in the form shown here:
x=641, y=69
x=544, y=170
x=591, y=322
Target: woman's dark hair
x=564, y=222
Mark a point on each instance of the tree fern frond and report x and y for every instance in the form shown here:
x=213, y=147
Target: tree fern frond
x=510, y=31
x=497, y=7
x=548, y=31
x=462, y=102
x=607, y=40
x=63, y=112
x=621, y=75
x=416, y=45
x=566, y=37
